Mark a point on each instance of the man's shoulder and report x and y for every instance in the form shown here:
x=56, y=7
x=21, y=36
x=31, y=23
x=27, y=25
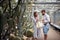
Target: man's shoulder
x=47, y=15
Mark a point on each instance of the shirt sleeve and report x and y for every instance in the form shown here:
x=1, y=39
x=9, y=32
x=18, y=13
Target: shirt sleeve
x=48, y=18
x=33, y=19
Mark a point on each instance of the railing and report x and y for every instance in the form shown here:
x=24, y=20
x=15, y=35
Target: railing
x=56, y=26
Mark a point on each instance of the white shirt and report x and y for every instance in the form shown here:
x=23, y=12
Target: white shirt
x=34, y=20
x=46, y=18
x=36, y=29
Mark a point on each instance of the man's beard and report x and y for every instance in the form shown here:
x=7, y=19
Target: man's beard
x=43, y=14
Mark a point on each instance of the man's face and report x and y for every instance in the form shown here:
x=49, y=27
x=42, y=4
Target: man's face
x=43, y=13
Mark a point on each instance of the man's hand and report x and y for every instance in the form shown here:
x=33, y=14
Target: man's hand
x=44, y=22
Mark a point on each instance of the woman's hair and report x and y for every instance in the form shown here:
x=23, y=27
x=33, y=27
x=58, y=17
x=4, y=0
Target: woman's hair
x=35, y=14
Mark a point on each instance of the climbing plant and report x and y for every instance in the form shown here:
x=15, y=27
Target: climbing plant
x=14, y=19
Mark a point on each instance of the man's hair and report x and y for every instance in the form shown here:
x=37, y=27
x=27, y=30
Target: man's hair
x=43, y=11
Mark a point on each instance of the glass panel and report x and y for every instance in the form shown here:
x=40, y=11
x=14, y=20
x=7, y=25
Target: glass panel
x=51, y=9
x=56, y=17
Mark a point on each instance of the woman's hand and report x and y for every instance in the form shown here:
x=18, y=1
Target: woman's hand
x=42, y=21
x=37, y=19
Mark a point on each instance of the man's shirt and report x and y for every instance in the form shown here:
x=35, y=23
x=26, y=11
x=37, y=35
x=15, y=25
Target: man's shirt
x=46, y=18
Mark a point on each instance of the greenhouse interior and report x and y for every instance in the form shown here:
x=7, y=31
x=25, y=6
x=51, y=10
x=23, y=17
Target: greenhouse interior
x=16, y=22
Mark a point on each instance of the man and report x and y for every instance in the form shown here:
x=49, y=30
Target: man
x=46, y=21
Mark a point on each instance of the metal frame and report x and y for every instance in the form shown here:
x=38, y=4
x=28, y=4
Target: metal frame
x=46, y=3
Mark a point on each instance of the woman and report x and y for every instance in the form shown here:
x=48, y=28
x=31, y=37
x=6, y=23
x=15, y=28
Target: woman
x=37, y=31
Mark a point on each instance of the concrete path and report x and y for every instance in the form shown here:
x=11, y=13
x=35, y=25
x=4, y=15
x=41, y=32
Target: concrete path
x=52, y=35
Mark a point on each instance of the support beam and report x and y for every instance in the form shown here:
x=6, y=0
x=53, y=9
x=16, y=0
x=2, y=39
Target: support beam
x=43, y=3
x=47, y=3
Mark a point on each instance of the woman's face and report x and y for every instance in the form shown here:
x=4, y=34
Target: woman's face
x=35, y=14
